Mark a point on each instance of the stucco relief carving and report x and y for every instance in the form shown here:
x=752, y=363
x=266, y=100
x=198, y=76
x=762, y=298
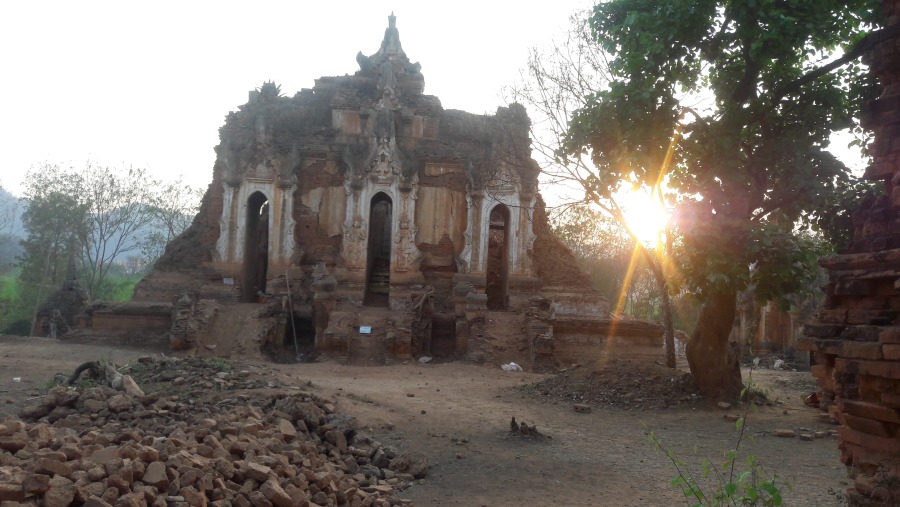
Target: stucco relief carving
x=503, y=180
x=527, y=235
x=406, y=251
x=464, y=259
x=385, y=163
x=355, y=235
x=386, y=159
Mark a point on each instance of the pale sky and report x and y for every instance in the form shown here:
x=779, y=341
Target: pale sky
x=149, y=84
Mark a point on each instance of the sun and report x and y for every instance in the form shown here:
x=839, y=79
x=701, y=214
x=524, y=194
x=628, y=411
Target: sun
x=644, y=213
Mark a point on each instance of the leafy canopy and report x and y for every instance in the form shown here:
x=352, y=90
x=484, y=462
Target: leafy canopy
x=753, y=162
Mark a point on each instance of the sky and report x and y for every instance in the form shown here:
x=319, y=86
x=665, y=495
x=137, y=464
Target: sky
x=149, y=84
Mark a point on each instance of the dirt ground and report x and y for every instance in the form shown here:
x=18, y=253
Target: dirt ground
x=459, y=416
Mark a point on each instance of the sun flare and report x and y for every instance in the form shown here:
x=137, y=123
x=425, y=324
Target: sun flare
x=644, y=214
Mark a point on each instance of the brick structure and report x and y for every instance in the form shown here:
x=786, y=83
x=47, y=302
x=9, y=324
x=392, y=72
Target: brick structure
x=383, y=226
x=856, y=339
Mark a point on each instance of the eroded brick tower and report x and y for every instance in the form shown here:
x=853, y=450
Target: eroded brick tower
x=856, y=339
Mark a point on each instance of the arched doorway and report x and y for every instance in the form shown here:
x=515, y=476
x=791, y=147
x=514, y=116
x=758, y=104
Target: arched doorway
x=497, y=282
x=256, y=248
x=378, y=259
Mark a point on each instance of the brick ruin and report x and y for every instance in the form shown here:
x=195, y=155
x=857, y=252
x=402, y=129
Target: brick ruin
x=376, y=225
x=856, y=339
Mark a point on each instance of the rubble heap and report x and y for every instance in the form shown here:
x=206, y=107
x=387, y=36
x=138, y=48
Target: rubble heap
x=100, y=447
x=621, y=383
x=856, y=339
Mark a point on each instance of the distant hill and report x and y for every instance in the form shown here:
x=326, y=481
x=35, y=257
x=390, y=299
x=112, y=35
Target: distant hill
x=10, y=228
x=12, y=231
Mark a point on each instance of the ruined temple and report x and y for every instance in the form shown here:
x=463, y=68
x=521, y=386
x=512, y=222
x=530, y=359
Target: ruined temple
x=361, y=218
x=855, y=340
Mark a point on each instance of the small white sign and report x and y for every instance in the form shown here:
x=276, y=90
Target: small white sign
x=228, y=281
x=365, y=329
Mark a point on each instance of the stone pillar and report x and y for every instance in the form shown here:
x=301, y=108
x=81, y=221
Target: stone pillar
x=855, y=339
x=476, y=212
x=526, y=235
x=228, y=222
x=282, y=234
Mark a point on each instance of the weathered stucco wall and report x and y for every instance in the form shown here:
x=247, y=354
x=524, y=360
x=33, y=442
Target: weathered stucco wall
x=441, y=212
x=368, y=204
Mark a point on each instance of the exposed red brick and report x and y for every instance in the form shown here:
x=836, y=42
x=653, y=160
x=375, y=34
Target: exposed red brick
x=863, y=291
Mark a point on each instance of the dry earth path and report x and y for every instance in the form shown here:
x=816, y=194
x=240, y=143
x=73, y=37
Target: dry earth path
x=459, y=414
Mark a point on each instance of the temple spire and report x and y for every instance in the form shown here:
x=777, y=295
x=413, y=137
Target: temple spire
x=391, y=43
x=390, y=64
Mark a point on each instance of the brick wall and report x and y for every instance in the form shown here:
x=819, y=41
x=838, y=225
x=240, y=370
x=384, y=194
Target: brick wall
x=855, y=340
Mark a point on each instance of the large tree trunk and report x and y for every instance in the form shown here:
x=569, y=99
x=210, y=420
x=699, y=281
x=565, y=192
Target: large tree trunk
x=714, y=365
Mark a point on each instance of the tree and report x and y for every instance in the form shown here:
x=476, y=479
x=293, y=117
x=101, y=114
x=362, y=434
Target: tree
x=556, y=84
x=604, y=250
x=752, y=165
x=97, y=214
x=55, y=220
x=8, y=210
x=120, y=205
x=173, y=211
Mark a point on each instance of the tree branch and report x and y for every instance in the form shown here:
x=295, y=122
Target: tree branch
x=860, y=48
x=774, y=206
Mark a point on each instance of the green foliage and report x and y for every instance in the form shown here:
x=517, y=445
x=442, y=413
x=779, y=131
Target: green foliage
x=135, y=367
x=781, y=262
x=218, y=364
x=46, y=385
x=14, y=318
x=17, y=327
x=94, y=217
x=734, y=480
x=754, y=392
x=117, y=287
x=81, y=383
x=834, y=220
x=756, y=89
x=118, y=218
x=55, y=220
x=9, y=286
x=85, y=383
x=752, y=162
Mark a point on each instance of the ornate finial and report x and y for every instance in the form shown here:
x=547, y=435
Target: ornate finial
x=388, y=55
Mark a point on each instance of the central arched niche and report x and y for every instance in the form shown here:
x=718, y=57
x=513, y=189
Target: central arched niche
x=378, y=251
x=256, y=248
x=497, y=276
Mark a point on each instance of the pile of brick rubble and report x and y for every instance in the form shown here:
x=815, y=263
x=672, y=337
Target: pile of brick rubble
x=98, y=446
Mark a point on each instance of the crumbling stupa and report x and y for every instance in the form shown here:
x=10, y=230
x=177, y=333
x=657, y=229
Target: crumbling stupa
x=376, y=225
x=855, y=341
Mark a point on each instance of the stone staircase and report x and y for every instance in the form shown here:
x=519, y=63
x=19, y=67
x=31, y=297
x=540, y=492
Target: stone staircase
x=380, y=278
